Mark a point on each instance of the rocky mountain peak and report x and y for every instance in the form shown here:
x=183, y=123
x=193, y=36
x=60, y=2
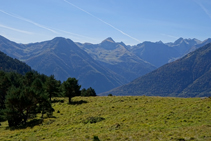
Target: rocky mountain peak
x=179, y=41
x=109, y=39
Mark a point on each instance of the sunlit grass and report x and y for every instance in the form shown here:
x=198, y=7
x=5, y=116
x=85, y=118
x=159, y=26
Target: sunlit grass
x=123, y=118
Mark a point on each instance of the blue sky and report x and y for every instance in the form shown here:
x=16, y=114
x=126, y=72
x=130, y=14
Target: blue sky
x=129, y=21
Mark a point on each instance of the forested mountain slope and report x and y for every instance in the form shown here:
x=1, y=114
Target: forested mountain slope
x=9, y=64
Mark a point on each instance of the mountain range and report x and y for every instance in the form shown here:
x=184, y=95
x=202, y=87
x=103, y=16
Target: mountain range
x=102, y=66
x=63, y=58
x=189, y=76
x=117, y=58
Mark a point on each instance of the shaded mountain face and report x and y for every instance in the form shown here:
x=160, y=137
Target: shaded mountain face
x=63, y=58
x=157, y=53
x=117, y=58
x=160, y=53
x=189, y=76
x=9, y=64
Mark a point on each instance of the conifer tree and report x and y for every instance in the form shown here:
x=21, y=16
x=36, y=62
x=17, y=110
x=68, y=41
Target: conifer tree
x=71, y=88
x=4, y=87
x=52, y=87
x=29, y=78
x=89, y=92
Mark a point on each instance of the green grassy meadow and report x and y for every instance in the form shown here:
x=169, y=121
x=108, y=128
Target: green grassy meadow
x=139, y=118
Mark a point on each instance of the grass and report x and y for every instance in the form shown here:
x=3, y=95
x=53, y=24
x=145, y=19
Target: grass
x=120, y=118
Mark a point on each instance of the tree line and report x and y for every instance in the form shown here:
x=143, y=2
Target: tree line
x=22, y=97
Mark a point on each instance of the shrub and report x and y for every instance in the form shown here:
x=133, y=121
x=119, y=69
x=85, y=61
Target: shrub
x=95, y=138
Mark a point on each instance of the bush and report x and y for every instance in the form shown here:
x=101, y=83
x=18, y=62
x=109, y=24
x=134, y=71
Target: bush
x=110, y=95
x=95, y=138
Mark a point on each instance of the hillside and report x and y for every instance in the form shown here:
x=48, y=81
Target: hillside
x=117, y=58
x=120, y=118
x=9, y=64
x=189, y=76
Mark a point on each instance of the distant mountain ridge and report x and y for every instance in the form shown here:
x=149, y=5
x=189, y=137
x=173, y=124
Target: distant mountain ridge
x=159, y=53
x=117, y=58
x=154, y=53
x=102, y=66
x=189, y=76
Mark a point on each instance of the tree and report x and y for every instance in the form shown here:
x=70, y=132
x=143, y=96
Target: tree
x=5, y=84
x=89, y=92
x=29, y=78
x=52, y=87
x=44, y=105
x=19, y=104
x=71, y=88
x=23, y=103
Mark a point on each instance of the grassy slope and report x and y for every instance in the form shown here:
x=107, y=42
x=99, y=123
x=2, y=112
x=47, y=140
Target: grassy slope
x=126, y=118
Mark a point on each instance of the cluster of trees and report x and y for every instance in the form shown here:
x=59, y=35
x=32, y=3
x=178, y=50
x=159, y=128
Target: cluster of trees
x=24, y=96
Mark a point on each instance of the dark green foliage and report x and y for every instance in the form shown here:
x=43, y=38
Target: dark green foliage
x=95, y=138
x=29, y=78
x=22, y=97
x=4, y=86
x=9, y=64
x=110, y=95
x=2, y=118
x=52, y=87
x=19, y=105
x=22, y=103
x=88, y=92
x=71, y=88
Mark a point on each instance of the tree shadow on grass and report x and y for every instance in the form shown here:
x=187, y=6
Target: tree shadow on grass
x=57, y=100
x=31, y=124
x=77, y=102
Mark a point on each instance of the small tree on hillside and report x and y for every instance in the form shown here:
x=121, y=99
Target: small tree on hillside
x=88, y=92
x=52, y=87
x=71, y=88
